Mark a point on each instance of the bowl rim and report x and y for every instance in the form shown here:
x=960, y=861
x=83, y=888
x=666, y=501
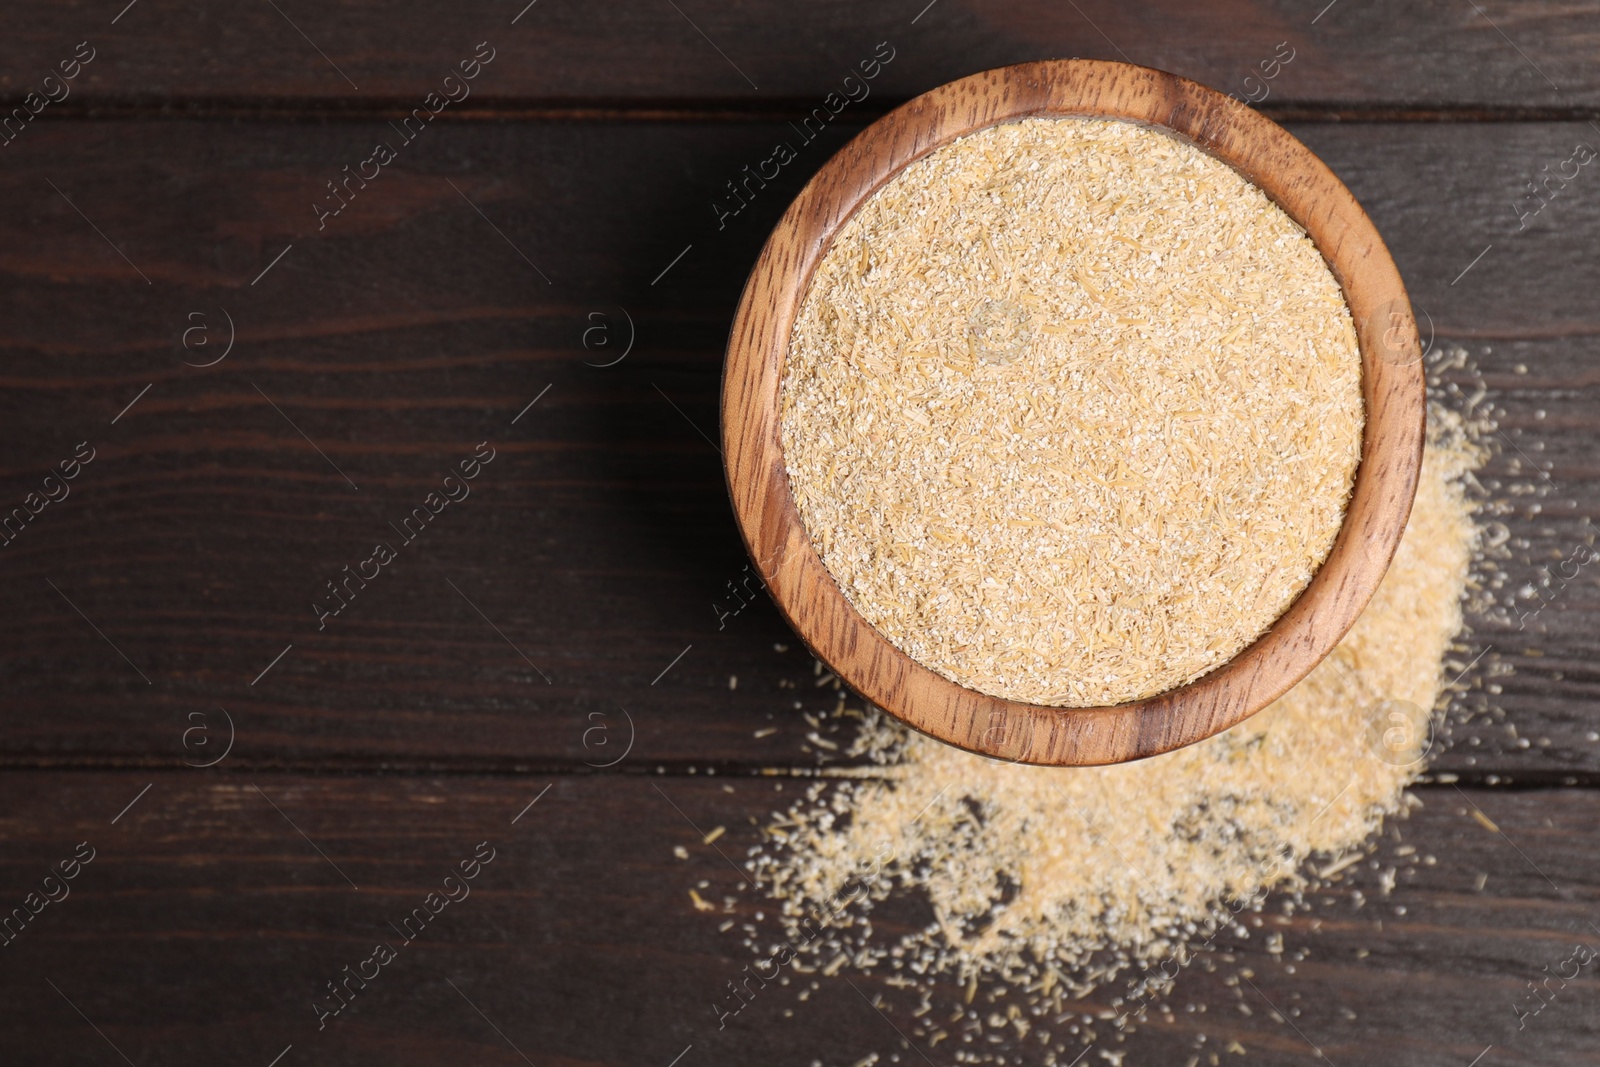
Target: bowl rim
x=1393, y=392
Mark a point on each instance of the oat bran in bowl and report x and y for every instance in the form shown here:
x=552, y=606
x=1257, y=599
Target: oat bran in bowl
x=1073, y=412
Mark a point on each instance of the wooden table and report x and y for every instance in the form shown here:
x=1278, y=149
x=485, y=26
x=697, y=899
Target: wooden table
x=543, y=273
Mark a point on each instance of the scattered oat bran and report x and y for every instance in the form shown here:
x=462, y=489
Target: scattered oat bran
x=1050, y=882
x=1072, y=411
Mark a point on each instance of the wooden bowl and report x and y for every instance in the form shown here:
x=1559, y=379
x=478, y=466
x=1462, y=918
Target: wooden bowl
x=1391, y=452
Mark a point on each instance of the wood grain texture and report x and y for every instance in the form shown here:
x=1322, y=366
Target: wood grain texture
x=165, y=57
x=600, y=540
x=205, y=926
x=1392, y=387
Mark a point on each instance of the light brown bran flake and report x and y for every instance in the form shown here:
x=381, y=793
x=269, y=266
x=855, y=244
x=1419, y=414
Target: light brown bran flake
x=1072, y=411
x=1051, y=882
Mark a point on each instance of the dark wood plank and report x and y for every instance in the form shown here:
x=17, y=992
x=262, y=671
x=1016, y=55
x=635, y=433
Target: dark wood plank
x=599, y=539
x=205, y=925
x=1529, y=705
x=211, y=55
